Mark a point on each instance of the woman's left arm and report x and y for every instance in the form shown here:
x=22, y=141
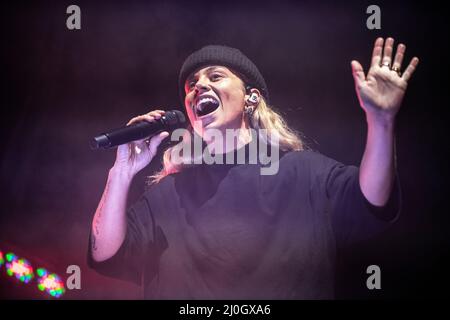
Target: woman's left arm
x=380, y=94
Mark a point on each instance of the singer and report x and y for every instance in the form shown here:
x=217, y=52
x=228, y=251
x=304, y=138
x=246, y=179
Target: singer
x=224, y=231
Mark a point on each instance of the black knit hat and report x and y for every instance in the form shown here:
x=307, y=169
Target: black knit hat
x=227, y=57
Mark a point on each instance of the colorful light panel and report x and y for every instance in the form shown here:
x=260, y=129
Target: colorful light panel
x=20, y=268
x=51, y=283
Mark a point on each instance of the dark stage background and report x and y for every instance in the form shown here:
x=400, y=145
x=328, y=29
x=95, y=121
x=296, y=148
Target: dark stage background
x=62, y=87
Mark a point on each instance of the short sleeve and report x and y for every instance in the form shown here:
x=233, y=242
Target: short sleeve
x=138, y=251
x=354, y=218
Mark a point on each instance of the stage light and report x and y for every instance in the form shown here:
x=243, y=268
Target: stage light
x=20, y=268
x=47, y=282
x=51, y=283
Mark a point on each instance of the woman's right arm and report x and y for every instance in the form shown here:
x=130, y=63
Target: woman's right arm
x=109, y=223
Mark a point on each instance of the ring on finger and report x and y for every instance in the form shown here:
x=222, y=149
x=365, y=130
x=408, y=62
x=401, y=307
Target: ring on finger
x=385, y=64
x=397, y=69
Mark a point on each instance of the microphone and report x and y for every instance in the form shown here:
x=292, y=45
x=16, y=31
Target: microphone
x=171, y=120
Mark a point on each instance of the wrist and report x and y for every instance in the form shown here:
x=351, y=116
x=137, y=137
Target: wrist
x=380, y=121
x=122, y=174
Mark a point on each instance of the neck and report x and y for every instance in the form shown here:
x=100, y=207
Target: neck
x=229, y=140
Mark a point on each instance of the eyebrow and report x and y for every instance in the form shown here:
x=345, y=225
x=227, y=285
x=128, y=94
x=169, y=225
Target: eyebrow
x=212, y=68
x=208, y=69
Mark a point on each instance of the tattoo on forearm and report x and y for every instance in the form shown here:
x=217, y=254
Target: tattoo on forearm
x=96, y=232
x=102, y=200
x=93, y=242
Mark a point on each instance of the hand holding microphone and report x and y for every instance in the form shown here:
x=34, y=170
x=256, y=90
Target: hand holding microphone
x=138, y=141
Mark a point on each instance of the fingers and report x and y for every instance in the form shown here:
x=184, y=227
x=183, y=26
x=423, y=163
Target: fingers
x=156, y=141
x=377, y=52
x=136, y=147
x=383, y=57
x=150, y=117
x=399, y=57
x=387, y=52
x=410, y=69
x=358, y=73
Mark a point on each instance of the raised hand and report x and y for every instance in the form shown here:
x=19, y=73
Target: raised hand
x=381, y=92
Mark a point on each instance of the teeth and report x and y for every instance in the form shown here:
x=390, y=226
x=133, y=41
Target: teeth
x=206, y=99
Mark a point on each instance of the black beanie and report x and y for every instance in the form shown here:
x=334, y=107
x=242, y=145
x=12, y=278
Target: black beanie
x=227, y=57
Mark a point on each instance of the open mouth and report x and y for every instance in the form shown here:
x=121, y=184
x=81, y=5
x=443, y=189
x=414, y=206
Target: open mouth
x=205, y=105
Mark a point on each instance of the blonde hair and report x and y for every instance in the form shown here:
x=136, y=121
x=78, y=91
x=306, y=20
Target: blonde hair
x=263, y=117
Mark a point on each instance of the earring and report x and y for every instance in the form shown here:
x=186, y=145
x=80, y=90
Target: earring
x=253, y=98
x=249, y=110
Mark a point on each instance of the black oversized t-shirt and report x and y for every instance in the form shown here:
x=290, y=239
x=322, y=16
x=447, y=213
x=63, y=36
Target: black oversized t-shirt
x=228, y=232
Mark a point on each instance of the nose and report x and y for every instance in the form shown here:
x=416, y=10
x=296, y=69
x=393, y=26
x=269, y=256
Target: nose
x=202, y=85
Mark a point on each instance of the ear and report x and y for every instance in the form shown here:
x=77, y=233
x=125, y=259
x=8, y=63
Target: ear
x=252, y=97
